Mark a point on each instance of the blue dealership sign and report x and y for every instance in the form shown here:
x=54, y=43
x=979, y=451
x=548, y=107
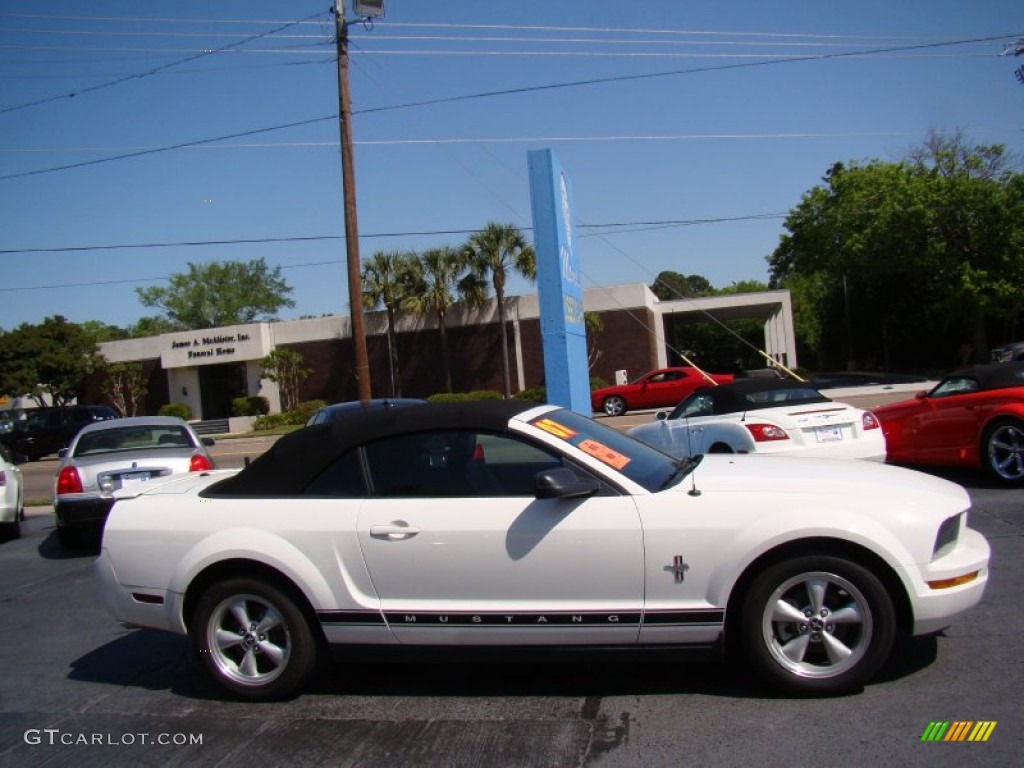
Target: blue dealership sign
x=559, y=285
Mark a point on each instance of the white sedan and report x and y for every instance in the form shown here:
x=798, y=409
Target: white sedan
x=505, y=524
x=12, y=496
x=766, y=416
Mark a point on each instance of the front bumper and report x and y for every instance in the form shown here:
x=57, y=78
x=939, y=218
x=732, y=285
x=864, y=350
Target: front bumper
x=935, y=609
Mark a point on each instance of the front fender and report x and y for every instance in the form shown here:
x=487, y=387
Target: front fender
x=776, y=531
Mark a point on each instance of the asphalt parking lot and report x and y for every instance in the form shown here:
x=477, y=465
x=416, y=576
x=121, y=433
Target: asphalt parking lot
x=79, y=690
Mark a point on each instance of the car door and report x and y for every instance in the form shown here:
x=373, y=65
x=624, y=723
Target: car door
x=459, y=550
x=951, y=421
x=660, y=388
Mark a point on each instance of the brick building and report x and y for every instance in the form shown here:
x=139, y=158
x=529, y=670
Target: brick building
x=206, y=369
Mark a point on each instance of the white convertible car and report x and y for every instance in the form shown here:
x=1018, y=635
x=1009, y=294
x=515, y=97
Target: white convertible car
x=509, y=524
x=765, y=416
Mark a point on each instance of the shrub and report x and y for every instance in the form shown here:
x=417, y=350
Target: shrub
x=484, y=394
x=465, y=397
x=251, y=405
x=533, y=395
x=596, y=382
x=301, y=413
x=270, y=421
x=181, y=410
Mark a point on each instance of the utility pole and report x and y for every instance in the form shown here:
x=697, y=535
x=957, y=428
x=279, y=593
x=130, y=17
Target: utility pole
x=348, y=184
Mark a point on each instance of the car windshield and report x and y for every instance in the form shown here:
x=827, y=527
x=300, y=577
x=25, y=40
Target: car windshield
x=638, y=461
x=140, y=437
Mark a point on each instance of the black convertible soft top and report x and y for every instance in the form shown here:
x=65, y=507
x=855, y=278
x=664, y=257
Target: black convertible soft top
x=295, y=460
x=751, y=394
x=993, y=375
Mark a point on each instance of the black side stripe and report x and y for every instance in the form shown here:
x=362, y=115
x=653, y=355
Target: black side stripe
x=533, y=619
x=350, y=617
x=684, y=618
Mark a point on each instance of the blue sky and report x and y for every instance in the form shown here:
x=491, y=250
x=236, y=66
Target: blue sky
x=698, y=166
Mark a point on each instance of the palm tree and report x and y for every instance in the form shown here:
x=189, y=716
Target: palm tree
x=437, y=276
x=495, y=251
x=385, y=282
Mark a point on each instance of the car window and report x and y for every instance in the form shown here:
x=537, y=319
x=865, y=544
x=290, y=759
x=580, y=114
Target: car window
x=455, y=463
x=343, y=479
x=957, y=385
x=141, y=437
x=638, y=461
x=697, y=404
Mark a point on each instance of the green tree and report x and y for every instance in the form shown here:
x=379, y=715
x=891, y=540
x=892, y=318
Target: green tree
x=220, y=293
x=125, y=386
x=285, y=368
x=153, y=326
x=901, y=262
x=669, y=286
x=435, y=282
x=51, y=358
x=386, y=279
x=495, y=252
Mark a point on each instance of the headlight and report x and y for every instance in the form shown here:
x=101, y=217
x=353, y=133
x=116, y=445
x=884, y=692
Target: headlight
x=949, y=533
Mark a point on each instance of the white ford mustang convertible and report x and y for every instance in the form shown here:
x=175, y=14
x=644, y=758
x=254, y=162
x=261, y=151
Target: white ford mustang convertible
x=508, y=524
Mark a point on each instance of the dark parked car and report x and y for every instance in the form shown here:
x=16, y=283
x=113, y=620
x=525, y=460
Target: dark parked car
x=1008, y=352
x=340, y=410
x=47, y=430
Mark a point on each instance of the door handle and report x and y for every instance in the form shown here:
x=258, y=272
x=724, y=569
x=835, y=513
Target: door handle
x=393, y=532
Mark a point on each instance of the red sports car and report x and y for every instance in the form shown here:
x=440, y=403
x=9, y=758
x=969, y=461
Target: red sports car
x=973, y=418
x=655, y=389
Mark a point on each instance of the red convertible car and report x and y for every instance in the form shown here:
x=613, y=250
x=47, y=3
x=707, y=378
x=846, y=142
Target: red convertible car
x=655, y=389
x=973, y=418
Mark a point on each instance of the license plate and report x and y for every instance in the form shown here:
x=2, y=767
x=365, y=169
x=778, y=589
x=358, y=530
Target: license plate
x=134, y=477
x=828, y=434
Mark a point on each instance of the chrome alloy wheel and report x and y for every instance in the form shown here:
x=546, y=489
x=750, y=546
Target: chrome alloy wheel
x=817, y=625
x=614, y=406
x=248, y=640
x=1005, y=450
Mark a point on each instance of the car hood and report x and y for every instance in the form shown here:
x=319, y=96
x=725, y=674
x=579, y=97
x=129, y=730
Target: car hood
x=878, y=489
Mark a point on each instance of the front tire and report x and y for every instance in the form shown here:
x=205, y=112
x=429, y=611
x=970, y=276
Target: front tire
x=614, y=406
x=817, y=626
x=1002, y=450
x=253, y=639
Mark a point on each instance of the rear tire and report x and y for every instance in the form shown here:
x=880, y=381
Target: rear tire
x=253, y=639
x=614, y=406
x=817, y=626
x=10, y=531
x=1002, y=450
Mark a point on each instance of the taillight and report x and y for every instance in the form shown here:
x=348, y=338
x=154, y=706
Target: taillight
x=869, y=421
x=765, y=433
x=199, y=463
x=68, y=481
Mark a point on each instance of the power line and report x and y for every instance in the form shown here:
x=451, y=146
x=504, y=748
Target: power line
x=518, y=91
x=155, y=70
x=375, y=235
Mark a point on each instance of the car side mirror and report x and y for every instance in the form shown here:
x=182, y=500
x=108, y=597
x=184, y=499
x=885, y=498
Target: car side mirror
x=62, y=453
x=661, y=415
x=208, y=441
x=562, y=483
x=923, y=394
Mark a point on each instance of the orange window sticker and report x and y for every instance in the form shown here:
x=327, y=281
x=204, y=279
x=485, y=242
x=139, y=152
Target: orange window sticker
x=554, y=428
x=603, y=453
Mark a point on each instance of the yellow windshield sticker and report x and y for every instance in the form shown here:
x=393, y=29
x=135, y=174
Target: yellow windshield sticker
x=553, y=427
x=603, y=453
